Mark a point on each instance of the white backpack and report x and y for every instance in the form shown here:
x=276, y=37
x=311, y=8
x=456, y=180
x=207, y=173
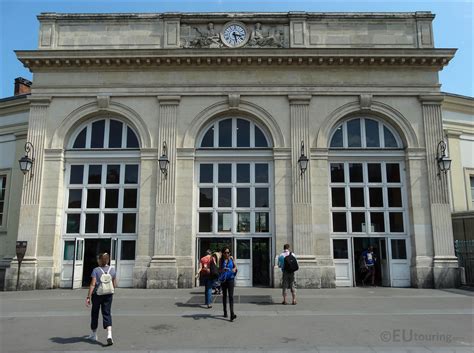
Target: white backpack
x=106, y=285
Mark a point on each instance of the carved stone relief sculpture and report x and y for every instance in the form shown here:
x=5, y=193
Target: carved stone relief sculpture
x=210, y=39
x=193, y=36
x=273, y=38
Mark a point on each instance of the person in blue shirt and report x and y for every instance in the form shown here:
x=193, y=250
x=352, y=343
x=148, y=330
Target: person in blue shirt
x=228, y=271
x=369, y=261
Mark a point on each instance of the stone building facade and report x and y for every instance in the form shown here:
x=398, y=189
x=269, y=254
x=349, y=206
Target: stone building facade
x=233, y=101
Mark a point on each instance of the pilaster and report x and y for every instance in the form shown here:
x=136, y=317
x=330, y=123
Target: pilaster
x=163, y=272
x=445, y=266
x=303, y=242
x=30, y=201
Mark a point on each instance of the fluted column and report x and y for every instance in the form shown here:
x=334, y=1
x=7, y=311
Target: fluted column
x=302, y=215
x=165, y=273
x=30, y=200
x=445, y=263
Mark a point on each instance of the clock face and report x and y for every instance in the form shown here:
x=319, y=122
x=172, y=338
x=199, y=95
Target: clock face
x=234, y=34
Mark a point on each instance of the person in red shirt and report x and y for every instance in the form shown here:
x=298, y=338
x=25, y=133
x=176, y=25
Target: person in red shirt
x=205, y=277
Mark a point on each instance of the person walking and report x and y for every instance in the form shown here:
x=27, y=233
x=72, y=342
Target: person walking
x=204, y=274
x=101, y=291
x=227, y=270
x=369, y=261
x=288, y=265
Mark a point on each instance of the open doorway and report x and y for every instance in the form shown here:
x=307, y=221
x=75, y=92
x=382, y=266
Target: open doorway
x=92, y=248
x=382, y=271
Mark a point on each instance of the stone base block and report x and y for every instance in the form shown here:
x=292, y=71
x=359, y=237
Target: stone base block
x=28, y=273
x=45, y=278
x=422, y=277
x=186, y=277
x=446, y=277
x=139, y=277
x=162, y=273
x=310, y=277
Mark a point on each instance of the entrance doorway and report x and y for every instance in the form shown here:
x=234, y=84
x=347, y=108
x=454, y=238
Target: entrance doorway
x=93, y=247
x=380, y=254
x=252, y=257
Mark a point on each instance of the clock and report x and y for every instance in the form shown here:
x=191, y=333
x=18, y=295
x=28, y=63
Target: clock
x=234, y=34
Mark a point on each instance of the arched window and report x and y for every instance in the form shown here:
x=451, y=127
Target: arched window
x=234, y=133
x=105, y=133
x=101, y=198
x=234, y=203
x=364, y=133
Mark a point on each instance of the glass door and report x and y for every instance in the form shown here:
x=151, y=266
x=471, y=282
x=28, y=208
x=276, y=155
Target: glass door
x=243, y=260
x=342, y=255
x=399, y=263
x=77, y=268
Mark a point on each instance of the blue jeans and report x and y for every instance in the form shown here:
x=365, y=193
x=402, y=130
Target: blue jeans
x=208, y=291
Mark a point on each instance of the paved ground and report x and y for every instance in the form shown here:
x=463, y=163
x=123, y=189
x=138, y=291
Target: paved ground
x=325, y=320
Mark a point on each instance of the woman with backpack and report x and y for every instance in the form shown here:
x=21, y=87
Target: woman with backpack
x=101, y=291
x=227, y=270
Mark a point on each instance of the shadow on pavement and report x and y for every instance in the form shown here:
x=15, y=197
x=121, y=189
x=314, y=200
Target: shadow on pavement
x=189, y=305
x=205, y=316
x=71, y=340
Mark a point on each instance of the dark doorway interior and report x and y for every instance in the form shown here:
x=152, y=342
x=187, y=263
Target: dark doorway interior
x=92, y=249
x=261, y=262
x=360, y=245
x=214, y=245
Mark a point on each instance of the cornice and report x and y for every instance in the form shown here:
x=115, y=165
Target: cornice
x=117, y=58
x=13, y=105
x=54, y=16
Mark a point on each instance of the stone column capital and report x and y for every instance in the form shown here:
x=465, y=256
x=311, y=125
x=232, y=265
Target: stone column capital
x=303, y=99
x=44, y=101
x=168, y=100
x=453, y=133
x=431, y=99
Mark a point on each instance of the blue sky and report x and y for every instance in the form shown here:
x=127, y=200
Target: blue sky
x=453, y=26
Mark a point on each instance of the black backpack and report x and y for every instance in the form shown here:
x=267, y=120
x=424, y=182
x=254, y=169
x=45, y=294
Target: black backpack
x=291, y=265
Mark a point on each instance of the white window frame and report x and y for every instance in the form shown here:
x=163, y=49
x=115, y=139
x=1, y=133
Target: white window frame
x=468, y=174
x=215, y=126
x=363, y=138
x=107, y=119
x=7, y=174
x=364, y=160
x=215, y=210
x=102, y=186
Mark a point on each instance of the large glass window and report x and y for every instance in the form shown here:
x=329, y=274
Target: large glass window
x=364, y=133
x=234, y=198
x=234, y=133
x=104, y=202
x=105, y=133
x=367, y=197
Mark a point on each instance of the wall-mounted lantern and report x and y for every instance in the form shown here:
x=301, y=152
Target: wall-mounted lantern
x=303, y=160
x=444, y=163
x=163, y=160
x=27, y=161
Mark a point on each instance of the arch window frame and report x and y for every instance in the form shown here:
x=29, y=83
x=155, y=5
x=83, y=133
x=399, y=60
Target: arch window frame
x=215, y=125
x=88, y=126
x=363, y=134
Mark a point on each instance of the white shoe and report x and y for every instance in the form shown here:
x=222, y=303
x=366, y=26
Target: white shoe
x=92, y=337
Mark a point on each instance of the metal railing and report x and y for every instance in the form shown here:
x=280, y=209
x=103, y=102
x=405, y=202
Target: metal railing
x=465, y=253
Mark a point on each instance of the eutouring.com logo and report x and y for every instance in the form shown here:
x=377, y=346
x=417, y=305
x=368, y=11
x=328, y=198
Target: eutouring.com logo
x=409, y=335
